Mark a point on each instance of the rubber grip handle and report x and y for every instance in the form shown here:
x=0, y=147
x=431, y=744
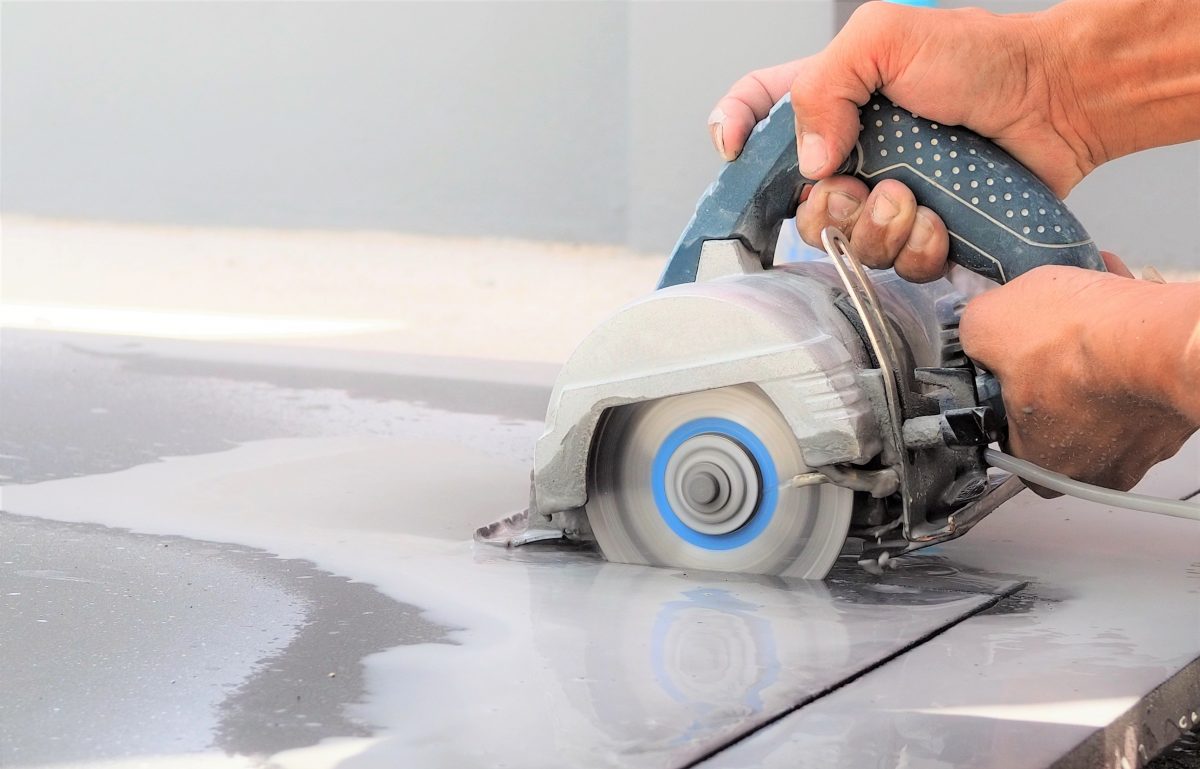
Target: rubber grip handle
x=1003, y=220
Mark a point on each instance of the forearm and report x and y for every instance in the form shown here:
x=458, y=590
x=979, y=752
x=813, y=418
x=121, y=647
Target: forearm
x=1149, y=343
x=1131, y=70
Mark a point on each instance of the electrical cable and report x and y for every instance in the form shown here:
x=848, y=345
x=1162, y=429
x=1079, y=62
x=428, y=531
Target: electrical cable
x=1064, y=485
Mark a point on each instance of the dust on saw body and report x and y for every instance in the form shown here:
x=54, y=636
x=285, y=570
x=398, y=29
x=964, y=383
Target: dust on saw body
x=752, y=435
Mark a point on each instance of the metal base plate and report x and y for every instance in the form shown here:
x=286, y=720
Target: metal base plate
x=664, y=470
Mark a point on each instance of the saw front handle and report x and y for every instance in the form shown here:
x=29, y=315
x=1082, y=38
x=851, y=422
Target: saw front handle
x=1003, y=220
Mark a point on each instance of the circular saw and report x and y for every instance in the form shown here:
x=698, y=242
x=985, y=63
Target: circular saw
x=761, y=418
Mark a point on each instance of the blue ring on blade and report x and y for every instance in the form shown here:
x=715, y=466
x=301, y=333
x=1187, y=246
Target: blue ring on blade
x=759, y=519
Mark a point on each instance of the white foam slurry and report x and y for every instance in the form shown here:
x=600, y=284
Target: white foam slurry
x=560, y=659
x=289, y=495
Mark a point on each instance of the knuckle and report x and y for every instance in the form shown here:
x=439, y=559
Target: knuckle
x=973, y=327
x=757, y=79
x=868, y=15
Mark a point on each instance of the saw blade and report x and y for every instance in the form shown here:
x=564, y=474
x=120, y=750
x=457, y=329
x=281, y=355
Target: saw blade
x=702, y=481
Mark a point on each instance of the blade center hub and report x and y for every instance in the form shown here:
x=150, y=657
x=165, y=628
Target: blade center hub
x=712, y=484
x=706, y=486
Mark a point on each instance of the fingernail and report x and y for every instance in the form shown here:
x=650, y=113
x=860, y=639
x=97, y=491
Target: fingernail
x=813, y=154
x=716, y=129
x=922, y=233
x=884, y=210
x=841, y=206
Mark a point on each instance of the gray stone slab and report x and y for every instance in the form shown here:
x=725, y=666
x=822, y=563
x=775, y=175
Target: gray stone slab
x=369, y=473
x=552, y=658
x=1096, y=663
x=119, y=645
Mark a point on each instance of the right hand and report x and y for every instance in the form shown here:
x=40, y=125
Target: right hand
x=1097, y=369
x=1001, y=76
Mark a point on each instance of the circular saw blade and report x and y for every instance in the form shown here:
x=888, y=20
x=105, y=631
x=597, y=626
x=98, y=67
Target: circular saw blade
x=634, y=504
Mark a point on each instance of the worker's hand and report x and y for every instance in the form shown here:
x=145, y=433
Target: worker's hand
x=998, y=75
x=1090, y=367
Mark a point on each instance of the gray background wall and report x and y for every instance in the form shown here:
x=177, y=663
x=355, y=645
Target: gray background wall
x=557, y=120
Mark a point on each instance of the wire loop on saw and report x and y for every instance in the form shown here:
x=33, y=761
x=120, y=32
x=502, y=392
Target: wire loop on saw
x=862, y=295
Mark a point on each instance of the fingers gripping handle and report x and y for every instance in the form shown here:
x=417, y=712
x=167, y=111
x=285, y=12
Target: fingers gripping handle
x=1003, y=220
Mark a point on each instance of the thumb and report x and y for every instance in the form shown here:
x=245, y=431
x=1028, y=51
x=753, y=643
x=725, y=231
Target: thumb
x=826, y=126
x=832, y=85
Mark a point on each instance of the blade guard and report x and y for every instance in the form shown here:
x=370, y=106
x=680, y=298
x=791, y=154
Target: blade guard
x=775, y=330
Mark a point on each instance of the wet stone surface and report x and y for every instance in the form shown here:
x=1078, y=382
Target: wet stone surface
x=126, y=646
x=119, y=644
x=72, y=411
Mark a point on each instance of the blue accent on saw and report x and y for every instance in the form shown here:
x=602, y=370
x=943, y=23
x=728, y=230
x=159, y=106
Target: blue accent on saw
x=922, y=3
x=767, y=475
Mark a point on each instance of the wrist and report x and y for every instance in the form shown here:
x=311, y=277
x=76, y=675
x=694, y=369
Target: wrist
x=1083, y=93
x=1123, y=74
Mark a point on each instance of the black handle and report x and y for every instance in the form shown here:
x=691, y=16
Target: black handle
x=1003, y=220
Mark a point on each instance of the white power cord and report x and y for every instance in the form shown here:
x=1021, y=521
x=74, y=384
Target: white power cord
x=1065, y=485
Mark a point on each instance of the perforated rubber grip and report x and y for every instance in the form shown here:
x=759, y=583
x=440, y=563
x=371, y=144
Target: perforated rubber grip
x=1003, y=220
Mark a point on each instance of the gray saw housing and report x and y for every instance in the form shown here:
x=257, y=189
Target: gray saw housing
x=789, y=331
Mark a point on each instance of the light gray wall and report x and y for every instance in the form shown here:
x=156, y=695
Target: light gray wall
x=560, y=120
x=682, y=58
x=505, y=118
x=580, y=121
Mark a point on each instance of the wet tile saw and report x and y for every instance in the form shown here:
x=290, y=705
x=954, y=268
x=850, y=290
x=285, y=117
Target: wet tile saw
x=760, y=418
